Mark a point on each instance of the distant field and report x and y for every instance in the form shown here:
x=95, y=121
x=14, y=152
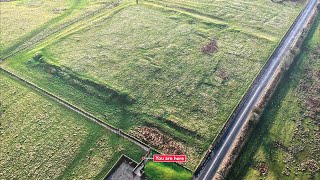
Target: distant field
x=174, y=69
x=41, y=139
x=37, y=18
x=286, y=144
x=18, y=18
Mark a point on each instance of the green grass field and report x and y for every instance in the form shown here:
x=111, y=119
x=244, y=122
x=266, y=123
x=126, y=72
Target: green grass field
x=177, y=66
x=156, y=171
x=32, y=15
x=38, y=19
x=42, y=139
x=286, y=142
x=261, y=18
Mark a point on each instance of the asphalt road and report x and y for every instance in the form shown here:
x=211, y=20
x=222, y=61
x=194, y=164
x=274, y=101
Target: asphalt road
x=253, y=95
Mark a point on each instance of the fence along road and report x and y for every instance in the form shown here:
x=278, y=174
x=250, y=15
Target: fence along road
x=216, y=156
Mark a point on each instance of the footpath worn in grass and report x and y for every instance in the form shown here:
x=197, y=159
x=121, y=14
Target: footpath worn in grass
x=286, y=143
x=178, y=70
x=170, y=171
x=42, y=139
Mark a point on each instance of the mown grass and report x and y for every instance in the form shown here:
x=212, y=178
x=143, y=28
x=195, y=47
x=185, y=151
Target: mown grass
x=166, y=171
x=152, y=54
x=286, y=138
x=42, y=139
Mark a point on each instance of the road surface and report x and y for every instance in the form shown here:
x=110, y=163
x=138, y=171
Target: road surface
x=253, y=95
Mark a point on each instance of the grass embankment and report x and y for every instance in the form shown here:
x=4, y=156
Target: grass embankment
x=166, y=171
x=285, y=145
x=161, y=60
x=42, y=139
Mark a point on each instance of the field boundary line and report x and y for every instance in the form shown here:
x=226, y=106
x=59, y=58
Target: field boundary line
x=199, y=16
x=80, y=111
x=218, y=138
x=87, y=115
x=60, y=34
x=206, y=17
x=63, y=27
x=55, y=37
x=19, y=42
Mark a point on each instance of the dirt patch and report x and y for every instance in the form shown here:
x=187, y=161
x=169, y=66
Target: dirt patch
x=310, y=165
x=223, y=74
x=157, y=139
x=263, y=169
x=210, y=48
x=313, y=166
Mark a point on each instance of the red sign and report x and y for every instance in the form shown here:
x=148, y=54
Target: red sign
x=169, y=158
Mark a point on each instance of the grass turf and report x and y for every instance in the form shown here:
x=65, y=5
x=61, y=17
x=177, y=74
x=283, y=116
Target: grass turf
x=150, y=54
x=286, y=140
x=156, y=171
x=32, y=15
x=265, y=19
x=38, y=19
x=42, y=139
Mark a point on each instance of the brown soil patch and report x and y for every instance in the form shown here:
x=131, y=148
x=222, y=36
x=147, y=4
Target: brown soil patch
x=313, y=166
x=263, y=168
x=157, y=139
x=210, y=48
